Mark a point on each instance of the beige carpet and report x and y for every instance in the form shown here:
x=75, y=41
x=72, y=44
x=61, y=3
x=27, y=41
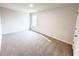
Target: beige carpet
x=29, y=43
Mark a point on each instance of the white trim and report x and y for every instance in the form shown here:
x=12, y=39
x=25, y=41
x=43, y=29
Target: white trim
x=14, y=32
x=61, y=40
x=57, y=38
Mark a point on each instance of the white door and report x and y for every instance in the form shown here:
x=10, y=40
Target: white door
x=0, y=35
x=76, y=38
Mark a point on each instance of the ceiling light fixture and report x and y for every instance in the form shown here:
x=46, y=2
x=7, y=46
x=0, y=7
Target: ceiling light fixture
x=31, y=5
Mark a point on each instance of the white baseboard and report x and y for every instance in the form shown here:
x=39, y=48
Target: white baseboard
x=56, y=38
x=14, y=32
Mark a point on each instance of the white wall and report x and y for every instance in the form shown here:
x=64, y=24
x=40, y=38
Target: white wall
x=58, y=23
x=13, y=21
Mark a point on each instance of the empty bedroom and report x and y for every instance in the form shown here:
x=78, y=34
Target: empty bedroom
x=39, y=29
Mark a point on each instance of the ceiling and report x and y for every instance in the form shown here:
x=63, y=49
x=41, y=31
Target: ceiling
x=24, y=7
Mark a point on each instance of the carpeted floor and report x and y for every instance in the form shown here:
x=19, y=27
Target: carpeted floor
x=29, y=43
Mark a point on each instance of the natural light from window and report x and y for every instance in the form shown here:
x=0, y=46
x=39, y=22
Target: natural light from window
x=34, y=20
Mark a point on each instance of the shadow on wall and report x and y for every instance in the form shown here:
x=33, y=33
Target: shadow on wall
x=66, y=48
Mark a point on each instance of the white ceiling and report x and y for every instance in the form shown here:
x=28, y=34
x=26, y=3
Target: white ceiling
x=24, y=7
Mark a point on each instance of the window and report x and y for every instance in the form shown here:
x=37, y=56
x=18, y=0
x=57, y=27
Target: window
x=34, y=20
